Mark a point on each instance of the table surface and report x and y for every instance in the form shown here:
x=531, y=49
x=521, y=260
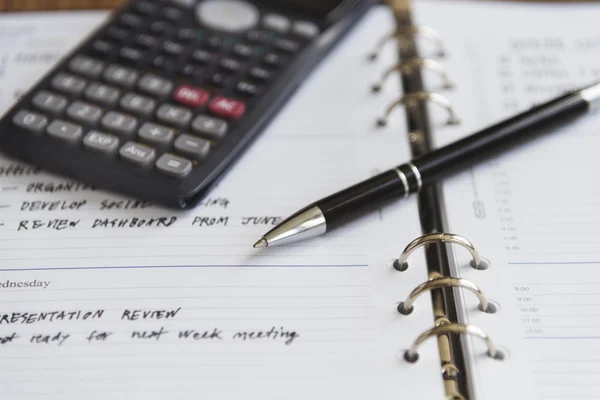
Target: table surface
x=23, y=5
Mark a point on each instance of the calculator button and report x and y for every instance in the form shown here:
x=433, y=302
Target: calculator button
x=68, y=83
x=172, y=48
x=101, y=142
x=175, y=166
x=227, y=15
x=190, y=70
x=257, y=36
x=117, y=34
x=242, y=50
x=49, y=102
x=103, y=48
x=247, y=88
x=305, y=29
x=229, y=64
x=277, y=23
x=286, y=45
x=214, y=42
x=225, y=107
x=103, y=94
x=137, y=153
x=164, y=62
x=130, y=55
x=192, y=146
x=212, y=128
x=156, y=133
x=192, y=96
x=119, y=75
x=31, y=121
x=202, y=56
x=273, y=59
x=65, y=131
x=144, y=40
x=155, y=85
x=260, y=74
x=186, y=34
x=119, y=123
x=144, y=7
x=173, y=115
x=161, y=28
x=86, y=66
x=84, y=113
x=131, y=21
x=219, y=80
x=137, y=104
x=172, y=14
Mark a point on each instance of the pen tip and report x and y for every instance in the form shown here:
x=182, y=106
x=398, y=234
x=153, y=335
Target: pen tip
x=261, y=243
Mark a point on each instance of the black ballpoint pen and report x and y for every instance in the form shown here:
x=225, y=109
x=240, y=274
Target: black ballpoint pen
x=344, y=206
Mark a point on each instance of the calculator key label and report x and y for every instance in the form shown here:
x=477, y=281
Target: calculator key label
x=211, y=127
x=65, y=131
x=30, y=121
x=137, y=153
x=192, y=146
x=101, y=142
x=228, y=108
x=191, y=96
x=175, y=166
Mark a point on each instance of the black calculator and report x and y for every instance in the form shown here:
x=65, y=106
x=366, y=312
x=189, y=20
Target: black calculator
x=162, y=99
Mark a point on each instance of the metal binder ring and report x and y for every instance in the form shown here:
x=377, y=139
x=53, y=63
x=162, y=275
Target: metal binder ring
x=426, y=32
x=409, y=65
x=411, y=99
x=406, y=307
x=412, y=355
x=401, y=265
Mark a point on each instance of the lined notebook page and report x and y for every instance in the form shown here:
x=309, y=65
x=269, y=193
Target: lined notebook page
x=532, y=212
x=104, y=296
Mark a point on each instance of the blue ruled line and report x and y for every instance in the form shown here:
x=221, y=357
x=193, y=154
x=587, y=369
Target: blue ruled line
x=186, y=266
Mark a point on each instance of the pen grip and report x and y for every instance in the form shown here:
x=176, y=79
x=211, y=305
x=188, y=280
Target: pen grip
x=352, y=202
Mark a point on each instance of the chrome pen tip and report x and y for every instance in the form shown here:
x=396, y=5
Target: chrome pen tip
x=261, y=243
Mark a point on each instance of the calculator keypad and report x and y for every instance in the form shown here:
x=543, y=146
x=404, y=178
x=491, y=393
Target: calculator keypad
x=161, y=87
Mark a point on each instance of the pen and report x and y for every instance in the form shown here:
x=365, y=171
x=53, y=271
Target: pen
x=344, y=206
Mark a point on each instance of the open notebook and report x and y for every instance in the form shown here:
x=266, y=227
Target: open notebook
x=102, y=296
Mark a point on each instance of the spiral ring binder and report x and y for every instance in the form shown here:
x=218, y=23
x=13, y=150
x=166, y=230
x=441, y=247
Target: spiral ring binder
x=406, y=307
x=412, y=99
x=412, y=354
x=401, y=263
x=441, y=285
x=403, y=35
x=409, y=65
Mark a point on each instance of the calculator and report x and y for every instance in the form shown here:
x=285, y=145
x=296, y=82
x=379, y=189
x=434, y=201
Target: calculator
x=160, y=101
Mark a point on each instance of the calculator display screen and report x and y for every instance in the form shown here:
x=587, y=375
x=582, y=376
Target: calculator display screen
x=315, y=8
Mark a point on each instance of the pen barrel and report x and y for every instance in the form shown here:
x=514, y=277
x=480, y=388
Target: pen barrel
x=350, y=203
x=508, y=133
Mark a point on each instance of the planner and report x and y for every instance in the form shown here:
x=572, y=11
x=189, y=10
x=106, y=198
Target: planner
x=481, y=287
x=519, y=230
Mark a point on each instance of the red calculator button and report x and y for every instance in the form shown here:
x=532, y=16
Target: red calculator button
x=191, y=96
x=227, y=108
